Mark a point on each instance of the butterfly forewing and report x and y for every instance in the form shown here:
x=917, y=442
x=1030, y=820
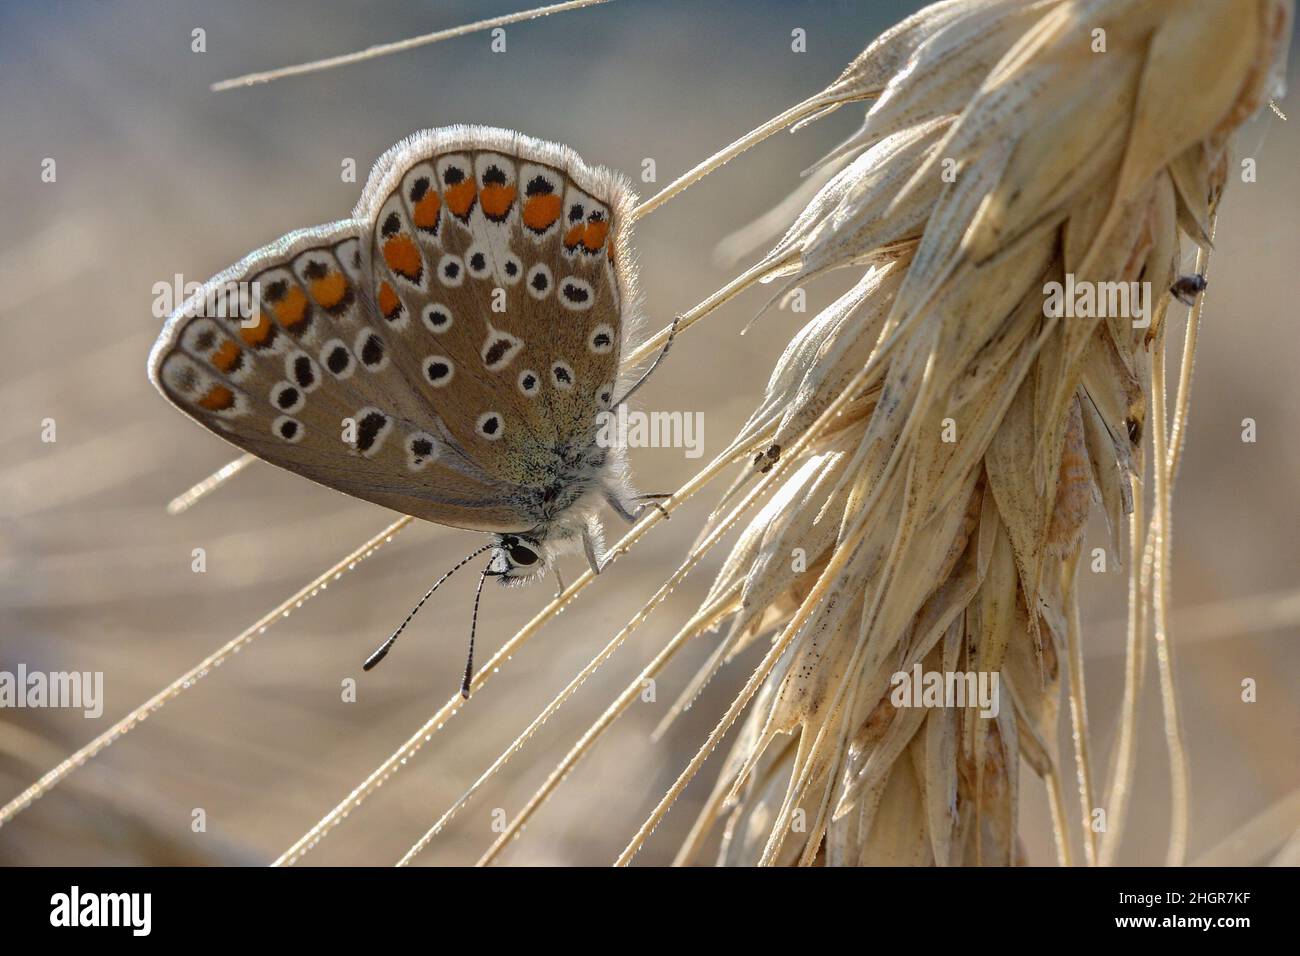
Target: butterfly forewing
x=439, y=352
x=271, y=355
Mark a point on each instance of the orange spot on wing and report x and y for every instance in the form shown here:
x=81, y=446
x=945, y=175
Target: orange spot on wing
x=258, y=335
x=389, y=303
x=218, y=399
x=330, y=290
x=291, y=311
x=403, y=258
x=460, y=198
x=497, y=200
x=425, y=214
x=593, y=236
x=226, y=356
x=574, y=236
x=540, y=212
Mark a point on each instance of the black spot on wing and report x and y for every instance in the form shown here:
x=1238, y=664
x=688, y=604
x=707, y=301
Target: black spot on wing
x=539, y=186
x=302, y=372
x=368, y=430
x=372, y=352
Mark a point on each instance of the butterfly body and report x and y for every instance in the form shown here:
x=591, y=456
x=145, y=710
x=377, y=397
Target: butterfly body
x=445, y=352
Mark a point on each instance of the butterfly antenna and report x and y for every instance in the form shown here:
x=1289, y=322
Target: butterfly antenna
x=473, y=626
x=382, y=651
x=672, y=334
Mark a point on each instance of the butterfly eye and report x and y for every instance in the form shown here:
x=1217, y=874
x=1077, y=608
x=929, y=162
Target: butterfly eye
x=522, y=555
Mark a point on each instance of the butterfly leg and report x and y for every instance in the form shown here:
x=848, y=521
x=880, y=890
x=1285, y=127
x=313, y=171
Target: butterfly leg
x=630, y=516
x=589, y=548
x=620, y=509
x=653, y=500
x=672, y=334
x=559, y=581
x=650, y=501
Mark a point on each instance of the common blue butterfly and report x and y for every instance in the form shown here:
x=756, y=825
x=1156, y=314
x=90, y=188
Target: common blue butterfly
x=446, y=352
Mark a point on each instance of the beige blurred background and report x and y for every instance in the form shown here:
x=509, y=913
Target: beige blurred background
x=156, y=175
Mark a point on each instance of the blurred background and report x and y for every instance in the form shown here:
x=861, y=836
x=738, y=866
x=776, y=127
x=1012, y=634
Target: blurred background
x=156, y=175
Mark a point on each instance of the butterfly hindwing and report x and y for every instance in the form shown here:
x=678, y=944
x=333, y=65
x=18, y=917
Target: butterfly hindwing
x=517, y=319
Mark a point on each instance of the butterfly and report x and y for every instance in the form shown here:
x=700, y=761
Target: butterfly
x=446, y=352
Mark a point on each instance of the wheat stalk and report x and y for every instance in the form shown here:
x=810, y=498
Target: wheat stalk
x=400, y=46
x=200, y=670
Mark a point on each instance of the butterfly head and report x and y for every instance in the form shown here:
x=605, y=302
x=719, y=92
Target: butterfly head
x=517, y=559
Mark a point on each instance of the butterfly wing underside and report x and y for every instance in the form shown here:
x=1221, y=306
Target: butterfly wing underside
x=433, y=353
x=495, y=264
